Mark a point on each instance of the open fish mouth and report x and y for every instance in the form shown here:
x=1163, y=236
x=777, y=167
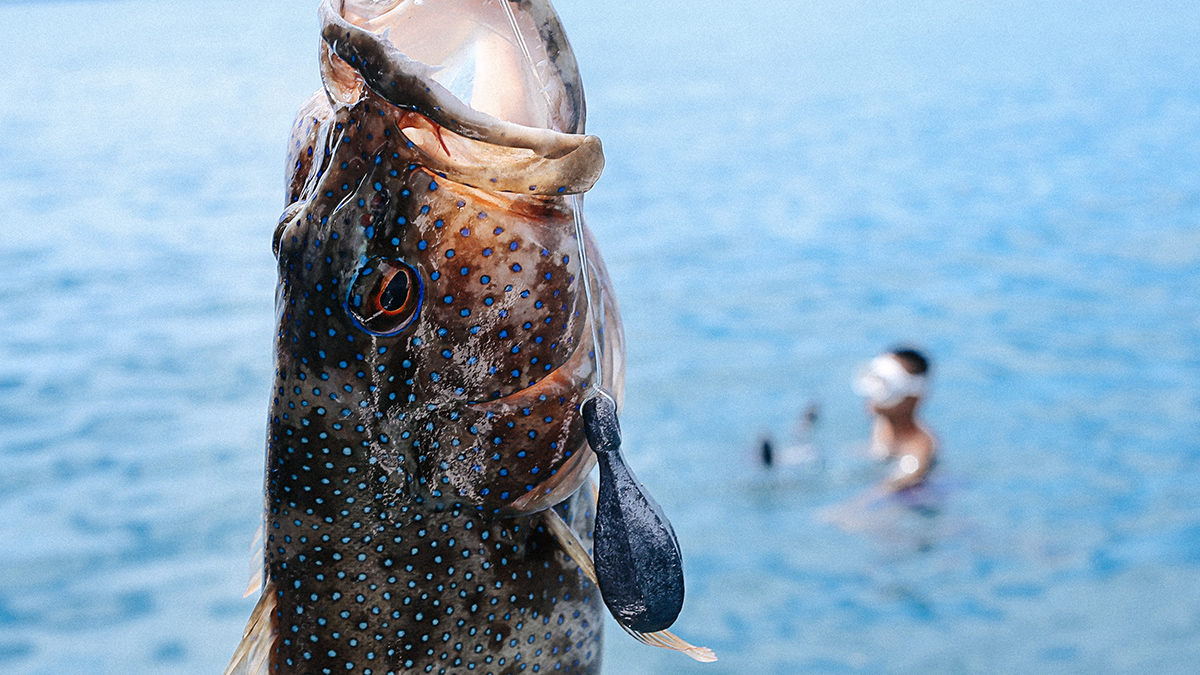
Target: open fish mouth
x=499, y=58
x=482, y=70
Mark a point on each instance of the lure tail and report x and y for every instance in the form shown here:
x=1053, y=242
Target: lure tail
x=570, y=543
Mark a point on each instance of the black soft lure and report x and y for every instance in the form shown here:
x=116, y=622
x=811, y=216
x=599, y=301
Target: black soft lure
x=637, y=557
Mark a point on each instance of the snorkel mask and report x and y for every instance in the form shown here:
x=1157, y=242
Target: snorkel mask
x=886, y=383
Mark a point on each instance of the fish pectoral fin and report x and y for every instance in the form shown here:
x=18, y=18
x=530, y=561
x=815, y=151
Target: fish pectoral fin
x=570, y=543
x=252, y=656
x=575, y=549
x=257, y=571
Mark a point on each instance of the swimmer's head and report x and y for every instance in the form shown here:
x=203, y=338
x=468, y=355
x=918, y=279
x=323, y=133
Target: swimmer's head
x=912, y=360
x=893, y=377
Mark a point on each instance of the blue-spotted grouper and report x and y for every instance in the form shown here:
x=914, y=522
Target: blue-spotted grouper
x=443, y=318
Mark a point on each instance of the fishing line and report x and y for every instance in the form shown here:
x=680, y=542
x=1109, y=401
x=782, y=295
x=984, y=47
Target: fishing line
x=595, y=305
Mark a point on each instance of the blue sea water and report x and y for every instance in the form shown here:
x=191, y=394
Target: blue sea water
x=790, y=187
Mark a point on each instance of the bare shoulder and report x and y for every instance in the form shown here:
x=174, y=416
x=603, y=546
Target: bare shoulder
x=924, y=444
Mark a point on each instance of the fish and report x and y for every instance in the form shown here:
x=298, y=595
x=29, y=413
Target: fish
x=449, y=366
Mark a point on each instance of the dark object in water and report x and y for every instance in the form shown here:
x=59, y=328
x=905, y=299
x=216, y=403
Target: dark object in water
x=637, y=555
x=812, y=415
x=768, y=452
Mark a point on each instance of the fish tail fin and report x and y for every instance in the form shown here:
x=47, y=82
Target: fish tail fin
x=252, y=656
x=574, y=548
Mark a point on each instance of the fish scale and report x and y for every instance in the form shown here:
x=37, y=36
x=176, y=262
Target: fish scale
x=432, y=591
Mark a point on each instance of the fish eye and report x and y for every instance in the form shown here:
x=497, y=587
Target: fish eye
x=385, y=296
x=396, y=294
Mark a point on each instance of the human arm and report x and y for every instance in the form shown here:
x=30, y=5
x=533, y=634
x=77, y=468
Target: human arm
x=913, y=466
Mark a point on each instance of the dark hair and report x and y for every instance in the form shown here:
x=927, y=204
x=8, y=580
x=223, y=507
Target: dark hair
x=912, y=360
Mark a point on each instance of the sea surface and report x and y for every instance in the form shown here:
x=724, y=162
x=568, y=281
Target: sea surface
x=1012, y=185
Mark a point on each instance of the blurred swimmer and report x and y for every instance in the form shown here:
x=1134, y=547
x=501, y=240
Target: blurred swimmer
x=767, y=450
x=894, y=384
x=802, y=452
